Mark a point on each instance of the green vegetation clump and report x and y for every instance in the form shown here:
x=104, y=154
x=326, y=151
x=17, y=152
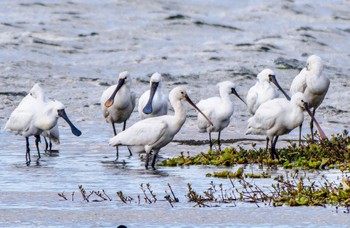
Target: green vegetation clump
x=320, y=154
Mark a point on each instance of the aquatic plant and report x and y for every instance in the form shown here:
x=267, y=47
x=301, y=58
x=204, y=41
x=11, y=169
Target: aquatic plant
x=319, y=154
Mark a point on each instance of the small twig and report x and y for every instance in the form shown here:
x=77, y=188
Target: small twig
x=99, y=194
x=121, y=196
x=167, y=197
x=171, y=190
x=83, y=193
x=147, y=200
x=109, y=198
x=151, y=192
x=62, y=195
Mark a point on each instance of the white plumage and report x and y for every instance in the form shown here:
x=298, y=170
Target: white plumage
x=156, y=132
x=153, y=102
x=218, y=109
x=118, y=102
x=278, y=117
x=34, y=115
x=262, y=91
x=313, y=84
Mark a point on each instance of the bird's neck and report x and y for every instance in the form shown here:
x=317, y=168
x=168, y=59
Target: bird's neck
x=180, y=112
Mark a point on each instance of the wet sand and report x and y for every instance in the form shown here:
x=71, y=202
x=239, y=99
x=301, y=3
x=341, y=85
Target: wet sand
x=75, y=49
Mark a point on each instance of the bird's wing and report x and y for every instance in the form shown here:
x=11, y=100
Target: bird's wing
x=267, y=114
x=20, y=119
x=144, y=132
x=252, y=98
x=299, y=82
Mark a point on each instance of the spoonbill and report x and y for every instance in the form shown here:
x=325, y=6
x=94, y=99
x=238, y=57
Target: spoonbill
x=263, y=90
x=156, y=132
x=313, y=84
x=53, y=134
x=34, y=116
x=118, y=102
x=153, y=102
x=278, y=117
x=218, y=109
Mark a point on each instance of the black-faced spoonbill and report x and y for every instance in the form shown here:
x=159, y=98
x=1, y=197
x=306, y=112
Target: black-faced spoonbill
x=33, y=116
x=313, y=84
x=118, y=102
x=153, y=102
x=263, y=90
x=218, y=109
x=278, y=117
x=156, y=132
x=53, y=134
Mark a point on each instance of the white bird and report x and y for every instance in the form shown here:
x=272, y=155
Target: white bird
x=53, y=134
x=34, y=115
x=278, y=117
x=156, y=132
x=118, y=102
x=313, y=84
x=153, y=102
x=262, y=91
x=218, y=109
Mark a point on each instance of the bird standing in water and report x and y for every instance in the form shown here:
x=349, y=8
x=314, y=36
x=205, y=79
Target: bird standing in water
x=118, y=102
x=156, y=132
x=34, y=115
x=278, y=117
x=218, y=109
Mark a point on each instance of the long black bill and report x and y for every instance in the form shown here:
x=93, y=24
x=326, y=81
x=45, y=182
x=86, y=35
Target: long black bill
x=191, y=103
x=274, y=81
x=233, y=90
x=74, y=130
x=110, y=101
x=148, y=108
x=320, y=131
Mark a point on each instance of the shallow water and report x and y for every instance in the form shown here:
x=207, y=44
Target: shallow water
x=77, y=48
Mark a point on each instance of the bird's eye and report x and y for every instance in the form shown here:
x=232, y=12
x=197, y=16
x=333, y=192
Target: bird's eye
x=302, y=101
x=125, y=78
x=182, y=93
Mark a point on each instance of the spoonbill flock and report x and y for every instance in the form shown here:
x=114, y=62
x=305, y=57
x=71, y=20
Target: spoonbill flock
x=271, y=114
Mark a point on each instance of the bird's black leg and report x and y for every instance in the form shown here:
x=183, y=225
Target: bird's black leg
x=300, y=128
x=154, y=158
x=27, y=151
x=312, y=124
x=219, y=142
x=116, y=147
x=37, y=140
x=267, y=145
x=124, y=126
x=46, y=144
x=146, y=159
x=272, y=152
x=210, y=143
x=50, y=144
x=274, y=147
